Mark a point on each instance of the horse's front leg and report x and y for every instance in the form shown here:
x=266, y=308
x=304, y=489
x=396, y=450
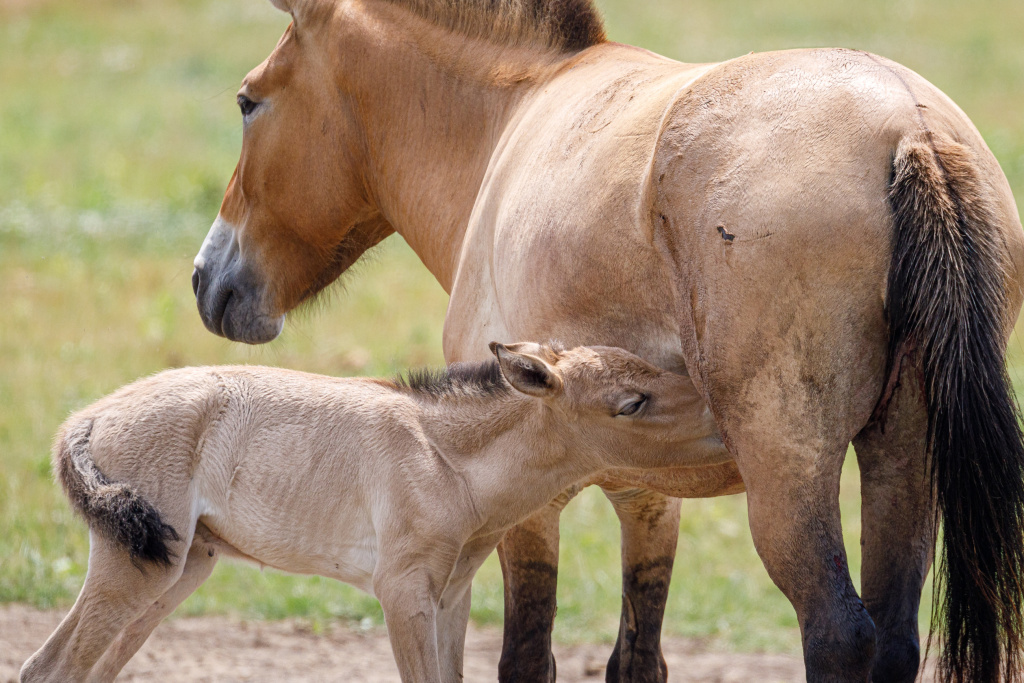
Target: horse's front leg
x=529, y=567
x=650, y=530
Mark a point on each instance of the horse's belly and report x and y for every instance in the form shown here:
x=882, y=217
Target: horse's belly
x=681, y=482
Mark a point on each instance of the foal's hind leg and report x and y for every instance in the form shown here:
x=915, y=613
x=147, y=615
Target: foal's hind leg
x=115, y=593
x=897, y=516
x=650, y=531
x=199, y=563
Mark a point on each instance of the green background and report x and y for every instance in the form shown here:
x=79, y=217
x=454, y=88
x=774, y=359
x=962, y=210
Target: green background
x=118, y=133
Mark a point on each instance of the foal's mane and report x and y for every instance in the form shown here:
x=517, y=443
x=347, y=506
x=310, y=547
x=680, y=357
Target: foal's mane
x=565, y=25
x=481, y=379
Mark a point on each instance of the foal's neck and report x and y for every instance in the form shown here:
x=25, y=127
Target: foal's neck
x=505, y=430
x=465, y=423
x=433, y=104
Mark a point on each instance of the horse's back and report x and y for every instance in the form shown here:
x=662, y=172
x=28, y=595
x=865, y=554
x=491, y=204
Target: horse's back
x=645, y=203
x=650, y=204
x=794, y=151
x=772, y=178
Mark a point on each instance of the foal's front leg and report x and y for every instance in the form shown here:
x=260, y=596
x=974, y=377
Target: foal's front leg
x=410, y=611
x=409, y=589
x=453, y=611
x=452, y=621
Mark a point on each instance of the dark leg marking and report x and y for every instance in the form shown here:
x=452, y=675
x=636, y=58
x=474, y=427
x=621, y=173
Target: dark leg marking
x=637, y=655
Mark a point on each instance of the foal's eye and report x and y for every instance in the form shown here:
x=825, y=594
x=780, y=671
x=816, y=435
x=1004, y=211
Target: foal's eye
x=246, y=105
x=632, y=407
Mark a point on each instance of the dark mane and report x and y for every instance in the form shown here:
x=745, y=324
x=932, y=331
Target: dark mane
x=566, y=25
x=458, y=379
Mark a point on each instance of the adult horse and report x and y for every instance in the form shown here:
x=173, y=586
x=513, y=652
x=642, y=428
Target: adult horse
x=820, y=239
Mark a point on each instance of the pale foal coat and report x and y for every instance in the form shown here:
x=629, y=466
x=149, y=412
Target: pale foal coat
x=399, y=490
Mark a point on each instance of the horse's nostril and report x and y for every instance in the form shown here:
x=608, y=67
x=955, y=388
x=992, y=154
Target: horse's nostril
x=195, y=282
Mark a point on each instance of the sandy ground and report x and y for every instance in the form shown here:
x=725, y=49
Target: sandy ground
x=224, y=649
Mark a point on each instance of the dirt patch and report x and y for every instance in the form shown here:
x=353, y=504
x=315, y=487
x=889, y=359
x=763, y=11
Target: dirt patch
x=223, y=649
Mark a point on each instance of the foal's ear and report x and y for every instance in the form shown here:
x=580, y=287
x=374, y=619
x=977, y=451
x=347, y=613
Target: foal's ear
x=526, y=371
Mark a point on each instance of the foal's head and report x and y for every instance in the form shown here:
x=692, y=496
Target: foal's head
x=609, y=400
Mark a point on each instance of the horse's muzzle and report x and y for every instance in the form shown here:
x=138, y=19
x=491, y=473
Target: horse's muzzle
x=231, y=300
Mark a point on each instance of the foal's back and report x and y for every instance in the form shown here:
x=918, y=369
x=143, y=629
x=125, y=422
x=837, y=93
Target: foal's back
x=197, y=414
x=317, y=452
x=230, y=444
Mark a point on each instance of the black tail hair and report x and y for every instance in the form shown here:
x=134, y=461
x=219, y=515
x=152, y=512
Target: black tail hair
x=947, y=306
x=111, y=508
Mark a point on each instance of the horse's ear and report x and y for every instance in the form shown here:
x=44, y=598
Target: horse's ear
x=296, y=8
x=525, y=369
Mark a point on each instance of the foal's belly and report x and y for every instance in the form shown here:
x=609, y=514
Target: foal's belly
x=346, y=551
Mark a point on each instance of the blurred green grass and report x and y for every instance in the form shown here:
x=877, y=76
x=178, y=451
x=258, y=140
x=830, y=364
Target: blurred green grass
x=118, y=133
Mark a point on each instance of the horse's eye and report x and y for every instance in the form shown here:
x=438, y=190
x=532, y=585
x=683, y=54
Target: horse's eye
x=632, y=407
x=246, y=105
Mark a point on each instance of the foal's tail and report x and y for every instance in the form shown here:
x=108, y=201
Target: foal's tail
x=947, y=306
x=111, y=508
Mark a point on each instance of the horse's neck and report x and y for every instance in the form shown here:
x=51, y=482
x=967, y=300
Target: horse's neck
x=434, y=105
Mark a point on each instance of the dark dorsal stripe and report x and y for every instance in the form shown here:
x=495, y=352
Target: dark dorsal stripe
x=567, y=25
x=458, y=379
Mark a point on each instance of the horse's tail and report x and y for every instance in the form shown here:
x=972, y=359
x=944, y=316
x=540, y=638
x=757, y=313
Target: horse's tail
x=111, y=508
x=947, y=306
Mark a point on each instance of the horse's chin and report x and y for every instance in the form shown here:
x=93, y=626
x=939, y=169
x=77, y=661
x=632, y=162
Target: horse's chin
x=249, y=328
x=234, y=313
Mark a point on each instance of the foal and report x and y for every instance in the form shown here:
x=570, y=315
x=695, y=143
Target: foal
x=399, y=488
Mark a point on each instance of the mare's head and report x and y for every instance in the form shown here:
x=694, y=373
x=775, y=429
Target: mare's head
x=296, y=212
x=609, y=401
x=303, y=204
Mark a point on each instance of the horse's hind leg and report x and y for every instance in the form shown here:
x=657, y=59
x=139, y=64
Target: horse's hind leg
x=650, y=531
x=793, y=503
x=201, y=559
x=897, y=516
x=115, y=593
x=788, y=420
